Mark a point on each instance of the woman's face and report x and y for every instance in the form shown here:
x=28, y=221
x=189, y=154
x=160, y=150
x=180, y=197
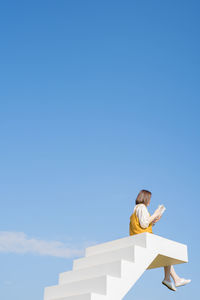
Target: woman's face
x=148, y=202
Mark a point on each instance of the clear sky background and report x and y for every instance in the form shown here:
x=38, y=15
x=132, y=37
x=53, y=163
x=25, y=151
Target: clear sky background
x=99, y=99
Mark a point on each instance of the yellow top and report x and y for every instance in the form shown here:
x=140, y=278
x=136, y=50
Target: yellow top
x=134, y=226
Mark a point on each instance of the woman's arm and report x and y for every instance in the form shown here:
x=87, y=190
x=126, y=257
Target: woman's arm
x=156, y=220
x=143, y=216
x=155, y=217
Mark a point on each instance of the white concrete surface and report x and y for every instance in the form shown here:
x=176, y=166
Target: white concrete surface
x=109, y=270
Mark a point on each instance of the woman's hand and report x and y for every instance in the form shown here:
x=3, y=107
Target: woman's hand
x=156, y=219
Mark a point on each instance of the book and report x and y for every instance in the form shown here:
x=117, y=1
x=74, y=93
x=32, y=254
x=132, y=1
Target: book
x=161, y=208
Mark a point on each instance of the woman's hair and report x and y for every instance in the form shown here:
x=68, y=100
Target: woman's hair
x=143, y=197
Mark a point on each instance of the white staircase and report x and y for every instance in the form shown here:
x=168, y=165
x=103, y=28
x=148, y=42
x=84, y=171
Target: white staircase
x=109, y=270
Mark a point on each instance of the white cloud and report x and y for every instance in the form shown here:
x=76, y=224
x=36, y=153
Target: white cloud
x=18, y=242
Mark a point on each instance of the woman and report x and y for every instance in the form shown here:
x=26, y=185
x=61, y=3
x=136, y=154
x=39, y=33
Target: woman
x=141, y=221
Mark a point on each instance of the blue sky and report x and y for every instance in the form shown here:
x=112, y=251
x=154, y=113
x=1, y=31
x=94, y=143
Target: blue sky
x=99, y=99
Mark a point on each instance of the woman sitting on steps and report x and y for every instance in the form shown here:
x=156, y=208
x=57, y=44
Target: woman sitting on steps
x=141, y=221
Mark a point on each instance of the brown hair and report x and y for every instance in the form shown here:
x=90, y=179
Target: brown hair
x=143, y=197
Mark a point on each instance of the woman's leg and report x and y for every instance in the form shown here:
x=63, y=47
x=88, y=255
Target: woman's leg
x=175, y=277
x=167, y=271
x=167, y=280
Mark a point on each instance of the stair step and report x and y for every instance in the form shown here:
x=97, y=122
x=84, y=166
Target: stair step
x=88, y=296
x=93, y=285
x=138, y=239
x=112, y=269
x=126, y=253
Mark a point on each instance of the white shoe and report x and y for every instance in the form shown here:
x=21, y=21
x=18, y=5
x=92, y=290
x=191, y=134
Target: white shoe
x=169, y=284
x=182, y=281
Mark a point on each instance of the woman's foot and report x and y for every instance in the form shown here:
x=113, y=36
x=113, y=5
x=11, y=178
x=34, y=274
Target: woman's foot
x=182, y=281
x=169, y=285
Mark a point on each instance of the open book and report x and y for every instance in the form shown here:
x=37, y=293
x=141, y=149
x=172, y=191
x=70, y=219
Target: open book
x=161, y=208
